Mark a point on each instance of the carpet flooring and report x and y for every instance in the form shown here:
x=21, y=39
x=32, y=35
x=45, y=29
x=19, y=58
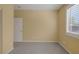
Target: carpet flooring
x=38, y=48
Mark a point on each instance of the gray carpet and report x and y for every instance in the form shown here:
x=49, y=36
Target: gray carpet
x=38, y=48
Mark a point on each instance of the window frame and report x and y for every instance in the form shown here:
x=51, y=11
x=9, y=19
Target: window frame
x=69, y=33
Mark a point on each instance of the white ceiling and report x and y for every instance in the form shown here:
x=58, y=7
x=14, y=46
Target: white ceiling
x=38, y=6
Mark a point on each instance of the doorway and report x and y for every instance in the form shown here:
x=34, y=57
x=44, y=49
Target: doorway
x=18, y=25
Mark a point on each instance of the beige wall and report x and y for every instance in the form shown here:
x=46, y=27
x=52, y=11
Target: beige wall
x=39, y=26
x=7, y=26
x=70, y=43
x=0, y=30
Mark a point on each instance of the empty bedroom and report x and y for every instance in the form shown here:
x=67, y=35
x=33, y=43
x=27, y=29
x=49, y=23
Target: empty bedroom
x=39, y=29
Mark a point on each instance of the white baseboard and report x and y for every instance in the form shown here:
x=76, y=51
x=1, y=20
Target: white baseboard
x=35, y=41
x=7, y=52
x=64, y=48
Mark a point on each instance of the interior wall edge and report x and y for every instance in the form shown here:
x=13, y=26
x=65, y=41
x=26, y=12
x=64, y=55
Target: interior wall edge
x=8, y=51
x=64, y=47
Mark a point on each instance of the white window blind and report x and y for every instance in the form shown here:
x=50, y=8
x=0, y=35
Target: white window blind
x=73, y=19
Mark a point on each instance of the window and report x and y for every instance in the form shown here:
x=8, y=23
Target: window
x=73, y=20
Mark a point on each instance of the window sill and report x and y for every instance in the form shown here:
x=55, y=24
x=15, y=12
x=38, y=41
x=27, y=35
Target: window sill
x=75, y=35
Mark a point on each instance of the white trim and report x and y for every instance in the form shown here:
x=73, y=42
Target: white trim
x=73, y=35
x=67, y=19
x=64, y=48
x=7, y=52
x=39, y=41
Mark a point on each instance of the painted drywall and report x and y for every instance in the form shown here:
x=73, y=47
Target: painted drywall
x=7, y=27
x=69, y=43
x=38, y=25
x=0, y=30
